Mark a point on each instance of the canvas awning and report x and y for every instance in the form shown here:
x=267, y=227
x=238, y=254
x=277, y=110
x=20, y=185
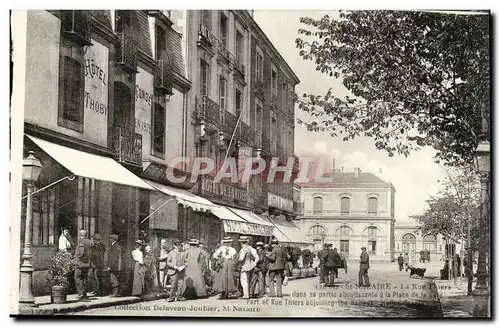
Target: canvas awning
x=288, y=233
x=234, y=223
x=265, y=227
x=89, y=165
x=184, y=197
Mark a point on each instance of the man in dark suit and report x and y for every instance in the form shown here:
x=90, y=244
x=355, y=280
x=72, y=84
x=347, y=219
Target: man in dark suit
x=332, y=262
x=82, y=258
x=261, y=269
x=364, y=265
x=97, y=260
x=160, y=254
x=115, y=264
x=277, y=262
x=321, y=257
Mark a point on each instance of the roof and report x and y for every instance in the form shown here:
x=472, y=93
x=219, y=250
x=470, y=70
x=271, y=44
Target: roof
x=348, y=179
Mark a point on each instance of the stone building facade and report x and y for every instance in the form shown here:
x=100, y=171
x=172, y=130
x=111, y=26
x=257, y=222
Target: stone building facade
x=352, y=210
x=113, y=97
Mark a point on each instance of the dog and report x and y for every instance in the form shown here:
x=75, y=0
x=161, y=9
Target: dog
x=416, y=272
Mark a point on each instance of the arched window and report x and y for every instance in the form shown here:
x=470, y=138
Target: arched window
x=317, y=230
x=372, y=232
x=409, y=242
x=430, y=243
x=344, y=205
x=344, y=234
x=372, y=205
x=318, y=205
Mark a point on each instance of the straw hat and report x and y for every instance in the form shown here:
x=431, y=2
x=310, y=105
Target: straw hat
x=193, y=241
x=227, y=239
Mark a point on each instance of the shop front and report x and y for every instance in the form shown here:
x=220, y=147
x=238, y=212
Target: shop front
x=79, y=191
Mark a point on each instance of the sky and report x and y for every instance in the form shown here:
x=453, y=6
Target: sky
x=415, y=177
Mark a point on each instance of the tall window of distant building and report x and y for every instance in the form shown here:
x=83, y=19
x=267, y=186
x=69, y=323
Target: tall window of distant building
x=345, y=205
x=318, y=205
x=205, y=19
x=238, y=104
x=372, y=205
x=259, y=67
x=274, y=82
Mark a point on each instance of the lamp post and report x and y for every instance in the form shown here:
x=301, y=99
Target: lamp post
x=323, y=235
x=483, y=167
x=31, y=171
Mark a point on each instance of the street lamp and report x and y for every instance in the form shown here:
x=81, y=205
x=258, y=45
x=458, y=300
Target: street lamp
x=482, y=154
x=31, y=171
x=323, y=235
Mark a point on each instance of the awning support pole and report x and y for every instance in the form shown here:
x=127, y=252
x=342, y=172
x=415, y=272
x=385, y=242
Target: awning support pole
x=152, y=213
x=72, y=177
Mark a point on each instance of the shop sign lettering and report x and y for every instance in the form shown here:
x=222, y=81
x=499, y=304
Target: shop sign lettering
x=276, y=201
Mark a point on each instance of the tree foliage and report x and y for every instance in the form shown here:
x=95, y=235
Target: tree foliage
x=416, y=78
x=451, y=210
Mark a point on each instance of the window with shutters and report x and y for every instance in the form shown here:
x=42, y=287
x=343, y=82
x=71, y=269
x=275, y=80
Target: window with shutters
x=259, y=65
x=238, y=103
x=223, y=29
x=274, y=82
x=71, y=92
x=344, y=205
x=222, y=92
x=206, y=19
x=159, y=131
x=318, y=205
x=239, y=46
x=372, y=205
x=204, y=76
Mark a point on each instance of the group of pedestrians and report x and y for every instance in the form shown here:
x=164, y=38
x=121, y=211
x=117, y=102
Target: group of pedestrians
x=331, y=261
x=260, y=268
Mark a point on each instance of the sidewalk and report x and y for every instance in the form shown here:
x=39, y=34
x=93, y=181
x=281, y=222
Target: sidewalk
x=43, y=306
x=455, y=303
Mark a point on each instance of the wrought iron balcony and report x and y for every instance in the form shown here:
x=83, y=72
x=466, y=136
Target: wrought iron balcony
x=238, y=64
x=205, y=37
x=163, y=77
x=246, y=134
x=224, y=53
x=127, y=145
x=230, y=122
x=126, y=54
x=77, y=26
x=208, y=110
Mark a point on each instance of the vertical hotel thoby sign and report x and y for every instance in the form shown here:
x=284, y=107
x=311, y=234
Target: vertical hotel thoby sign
x=96, y=93
x=143, y=109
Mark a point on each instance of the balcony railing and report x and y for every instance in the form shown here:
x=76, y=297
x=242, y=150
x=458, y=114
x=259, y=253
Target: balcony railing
x=127, y=52
x=127, y=145
x=230, y=122
x=223, y=51
x=205, y=37
x=238, y=64
x=246, y=134
x=208, y=110
x=163, y=77
x=77, y=26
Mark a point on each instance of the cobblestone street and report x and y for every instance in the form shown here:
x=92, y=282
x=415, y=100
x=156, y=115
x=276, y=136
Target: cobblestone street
x=392, y=294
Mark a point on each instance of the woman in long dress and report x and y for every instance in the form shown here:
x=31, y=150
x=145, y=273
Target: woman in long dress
x=139, y=270
x=150, y=274
x=194, y=282
x=225, y=264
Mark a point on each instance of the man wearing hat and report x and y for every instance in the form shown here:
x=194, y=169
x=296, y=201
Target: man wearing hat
x=321, y=257
x=82, y=258
x=364, y=265
x=160, y=254
x=175, y=271
x=248, y=257
x=261, y=269
x=277, y=262
x=115, y=264
x=97, y=258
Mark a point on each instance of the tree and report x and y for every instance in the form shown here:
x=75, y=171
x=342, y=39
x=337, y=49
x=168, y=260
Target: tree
x=416, y=78
x=450, y=212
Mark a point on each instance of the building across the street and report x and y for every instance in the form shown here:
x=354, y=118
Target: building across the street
x=113, y=96
x=352, y=210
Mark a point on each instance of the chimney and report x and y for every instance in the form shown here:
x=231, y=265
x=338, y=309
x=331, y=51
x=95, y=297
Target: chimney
x=356, y=172
x=333, y=165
